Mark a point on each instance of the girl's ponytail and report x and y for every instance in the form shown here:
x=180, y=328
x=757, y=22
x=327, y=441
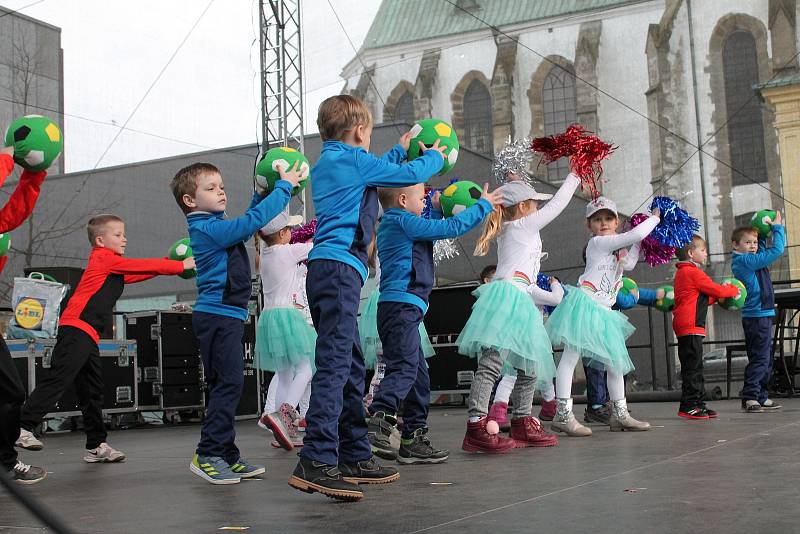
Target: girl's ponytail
x=491, y=228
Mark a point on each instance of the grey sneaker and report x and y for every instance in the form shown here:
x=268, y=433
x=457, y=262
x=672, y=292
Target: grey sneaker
x=380, y=427
x=751, y=406
x=104, y=454
x=28, y=441
x=245, y=469
x=418, y=450
x=214, y=470
x=770, y=404
x=27, y=474
x=600, y=415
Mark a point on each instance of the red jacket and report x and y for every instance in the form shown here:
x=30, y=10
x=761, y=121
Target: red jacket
x=90, y=307
x=694, y=291
x=21, y=202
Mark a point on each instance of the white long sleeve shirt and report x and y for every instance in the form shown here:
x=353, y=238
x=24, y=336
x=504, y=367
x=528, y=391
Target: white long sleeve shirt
x=607, y=257
x=519, y=245
x=279, y=273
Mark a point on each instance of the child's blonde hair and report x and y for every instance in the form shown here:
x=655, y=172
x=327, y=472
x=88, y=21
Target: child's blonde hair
x=494, y=224
x=340, y=113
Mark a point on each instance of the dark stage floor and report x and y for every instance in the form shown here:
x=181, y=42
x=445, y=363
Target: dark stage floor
x=735, y=474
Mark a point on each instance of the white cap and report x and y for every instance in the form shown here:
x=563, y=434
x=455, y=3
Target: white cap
x=516, y=191
x=601, y=203
x=281, y=221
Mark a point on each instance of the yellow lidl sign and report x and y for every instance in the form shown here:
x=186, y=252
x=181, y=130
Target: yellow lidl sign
x=29, y=313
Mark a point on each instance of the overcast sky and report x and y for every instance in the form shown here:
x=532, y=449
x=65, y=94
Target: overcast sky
x=208, y=97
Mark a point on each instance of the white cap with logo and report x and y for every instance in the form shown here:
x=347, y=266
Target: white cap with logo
x=601, y=203
x=281, y=221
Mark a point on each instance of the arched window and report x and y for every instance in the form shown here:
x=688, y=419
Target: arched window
x=559, y=103
x=478, y=119
x=404, y=110
x=745, y=129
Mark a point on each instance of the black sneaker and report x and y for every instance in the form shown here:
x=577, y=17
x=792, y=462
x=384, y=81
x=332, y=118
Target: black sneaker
x=600, y=415
x=751, y=406
x=770, y=404
x=368, y=472
x=27, y=474
x=694, y=412
x=712, y=414
x=420, y=450
x=311, y=476
x=379, y=433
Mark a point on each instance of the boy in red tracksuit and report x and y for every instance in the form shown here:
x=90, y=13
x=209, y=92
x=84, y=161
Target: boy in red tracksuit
x=694, y=292
x=12, y=392
x=76, y=357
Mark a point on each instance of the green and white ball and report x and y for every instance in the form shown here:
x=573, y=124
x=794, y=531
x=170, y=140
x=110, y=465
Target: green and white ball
x=762, y=221
x=37, y=142
x=428, y=131
x=5, y=244
x=180, y=251
x=459, y=196
x=283, y=156
x=629, y=285
x=734, y=303
x=668, y=302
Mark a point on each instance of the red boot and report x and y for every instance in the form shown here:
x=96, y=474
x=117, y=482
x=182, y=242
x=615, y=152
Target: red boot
x=528, y=432
x=499, y=412
x=548, y=410
x=479, y=438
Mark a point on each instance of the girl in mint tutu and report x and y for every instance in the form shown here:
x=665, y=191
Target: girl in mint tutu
x=587, y=326
x=505, y=327
x=285, y=342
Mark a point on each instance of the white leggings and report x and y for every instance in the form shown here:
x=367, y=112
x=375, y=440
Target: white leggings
x=291, y=386
x=566, y=368
x=506, y=385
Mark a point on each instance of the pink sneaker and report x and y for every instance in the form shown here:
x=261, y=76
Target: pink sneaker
x=499, y=413
x=548, y=410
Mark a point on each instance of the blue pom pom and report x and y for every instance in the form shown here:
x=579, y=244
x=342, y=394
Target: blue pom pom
x=543, y=281
x=426, y=211
x=677, y=227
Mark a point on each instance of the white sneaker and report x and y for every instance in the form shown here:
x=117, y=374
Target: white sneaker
x=103, y=454
x=28, y=441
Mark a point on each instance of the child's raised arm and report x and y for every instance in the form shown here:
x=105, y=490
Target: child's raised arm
x=23, y=199
x=420, y=229
x=380, y=172
x=610, y=243
x=554, y=206
x=766, y=255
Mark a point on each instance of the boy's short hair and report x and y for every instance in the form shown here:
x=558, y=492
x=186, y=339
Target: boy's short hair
x=387, y=196
x=185, y=182
x=340, y=113
x=741, y=231
x=683, y=252
x=486, y=271
x=97, y=225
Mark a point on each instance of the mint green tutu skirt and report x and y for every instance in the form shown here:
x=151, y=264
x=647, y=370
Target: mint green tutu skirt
x=505, y=318
x=283, y=339
x=368, y=332
x=597, y=333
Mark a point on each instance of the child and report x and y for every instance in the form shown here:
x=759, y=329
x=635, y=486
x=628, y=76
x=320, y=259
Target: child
x=505, y=327
x=223, y=290
x=344, y=195
x=587, y=326
x=405, y=248
x=12, y=391
x=284, y=340
x=751, y=261
x=76, y=357
x=487, y=273
x=694, y=293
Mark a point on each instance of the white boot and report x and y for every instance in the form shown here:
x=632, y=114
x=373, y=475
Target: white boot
x=621, y=420
x=565, y=421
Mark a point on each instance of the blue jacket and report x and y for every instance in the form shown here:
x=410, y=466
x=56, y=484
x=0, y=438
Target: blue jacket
x=753, y=271
x=626, y=301
x=405, y=250
x=346, y=202
x=223, y=266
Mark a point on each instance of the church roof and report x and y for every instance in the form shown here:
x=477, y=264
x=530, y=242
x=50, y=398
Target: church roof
x=404, y=21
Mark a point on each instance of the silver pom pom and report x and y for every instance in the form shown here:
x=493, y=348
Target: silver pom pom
x=444, y=249
x=514, y=157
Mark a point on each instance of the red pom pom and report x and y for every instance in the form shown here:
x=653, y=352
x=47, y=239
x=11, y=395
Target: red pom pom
x=304, y=233
x=654, y=252
x=586, y=152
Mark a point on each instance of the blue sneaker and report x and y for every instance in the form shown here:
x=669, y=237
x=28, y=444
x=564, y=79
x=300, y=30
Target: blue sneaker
x=245, y=469
x=213, y=469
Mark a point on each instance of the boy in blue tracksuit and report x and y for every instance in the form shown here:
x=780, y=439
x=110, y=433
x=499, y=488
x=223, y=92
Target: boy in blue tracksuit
x=223, y=290
x=336, y=454
x=750, y=264
x=405, y=250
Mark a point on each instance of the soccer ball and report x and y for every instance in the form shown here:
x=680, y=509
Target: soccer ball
x=37, y=142
x=267, y=169
x=180, y=251
x=459, y=196
x=759, y=222
x=428, y=131
x=628, y=286
x=734, y=303
x=668, y=302
x=5, y=243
